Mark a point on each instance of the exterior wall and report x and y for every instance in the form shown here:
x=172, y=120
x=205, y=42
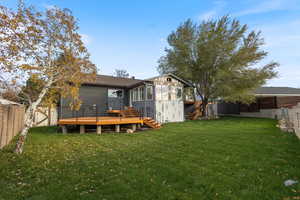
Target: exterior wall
x=89, y=95
x=145, y=107
x=167, y=106
x=115, y=103
x=260, y=103
x=126, y=97
x=169, y=111
x=267, y=102
x=285, y=101
x=92, y=95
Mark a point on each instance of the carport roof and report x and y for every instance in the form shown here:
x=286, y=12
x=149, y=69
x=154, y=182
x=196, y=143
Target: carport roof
x=278, y=91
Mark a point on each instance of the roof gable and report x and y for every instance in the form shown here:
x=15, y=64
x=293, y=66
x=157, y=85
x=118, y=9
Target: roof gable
x=186, y=83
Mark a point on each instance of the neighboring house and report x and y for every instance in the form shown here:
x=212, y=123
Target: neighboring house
x=268, y=102
x=160, y=98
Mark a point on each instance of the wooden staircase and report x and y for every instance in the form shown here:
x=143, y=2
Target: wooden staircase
x=151, y=123
x=197, y=111
x=130, y=112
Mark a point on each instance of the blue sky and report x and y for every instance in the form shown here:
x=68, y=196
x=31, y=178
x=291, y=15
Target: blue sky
x=131, y=34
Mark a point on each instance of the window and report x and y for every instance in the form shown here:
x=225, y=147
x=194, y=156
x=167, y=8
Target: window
x=179, y=93
x=115, y=93
x=169, y=79
x=138, y=94
x=135, y=94
x=149, y=92
x=141, y=94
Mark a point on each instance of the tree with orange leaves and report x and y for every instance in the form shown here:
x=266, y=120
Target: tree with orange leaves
x=47, y=45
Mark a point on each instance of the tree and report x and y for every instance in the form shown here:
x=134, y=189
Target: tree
x=219, y=57
x=8, y=90
x=9, y=93
x=33, y=87
x=121, y=73
x=48, y=46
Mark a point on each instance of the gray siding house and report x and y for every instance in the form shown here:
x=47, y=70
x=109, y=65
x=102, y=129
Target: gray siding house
x=160, y=98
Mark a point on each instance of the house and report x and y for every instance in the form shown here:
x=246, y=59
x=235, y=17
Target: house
x=161, y=97
x=268, y=103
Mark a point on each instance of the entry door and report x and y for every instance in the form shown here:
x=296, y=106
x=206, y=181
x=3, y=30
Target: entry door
x=115, y=99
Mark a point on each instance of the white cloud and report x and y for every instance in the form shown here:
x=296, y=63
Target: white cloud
x=208, y=15
x=86, y=39
x=218, y=7
x=268, y=6
x=48, y=6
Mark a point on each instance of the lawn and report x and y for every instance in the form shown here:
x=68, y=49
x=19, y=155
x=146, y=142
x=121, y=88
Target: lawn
x=229, y=158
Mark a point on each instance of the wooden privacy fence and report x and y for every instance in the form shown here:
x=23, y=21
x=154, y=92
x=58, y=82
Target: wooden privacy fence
x=45, y=116
x=11, y=122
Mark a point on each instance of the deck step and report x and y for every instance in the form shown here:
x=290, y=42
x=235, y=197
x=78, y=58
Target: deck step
x=152, y=123
x=129, y=113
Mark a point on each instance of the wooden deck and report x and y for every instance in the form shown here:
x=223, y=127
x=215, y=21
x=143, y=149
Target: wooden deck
x=101, y=121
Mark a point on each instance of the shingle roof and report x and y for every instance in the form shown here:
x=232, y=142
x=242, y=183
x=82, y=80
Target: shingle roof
x=113, y=81
x=277, y=90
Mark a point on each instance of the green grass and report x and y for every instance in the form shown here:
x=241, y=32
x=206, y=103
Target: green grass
x=230, y=158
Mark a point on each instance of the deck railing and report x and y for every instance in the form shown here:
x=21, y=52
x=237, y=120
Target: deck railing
x=97, y=111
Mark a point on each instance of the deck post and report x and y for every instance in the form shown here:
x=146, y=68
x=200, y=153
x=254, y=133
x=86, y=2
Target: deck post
x=133, y=127
x=117, y=128
x=99, y=129
x=82, y=129
x=64, y=129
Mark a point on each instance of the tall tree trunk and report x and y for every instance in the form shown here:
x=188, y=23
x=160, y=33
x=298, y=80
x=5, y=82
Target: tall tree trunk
x=204, y=101
x=204, y=106
x=29, y=118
